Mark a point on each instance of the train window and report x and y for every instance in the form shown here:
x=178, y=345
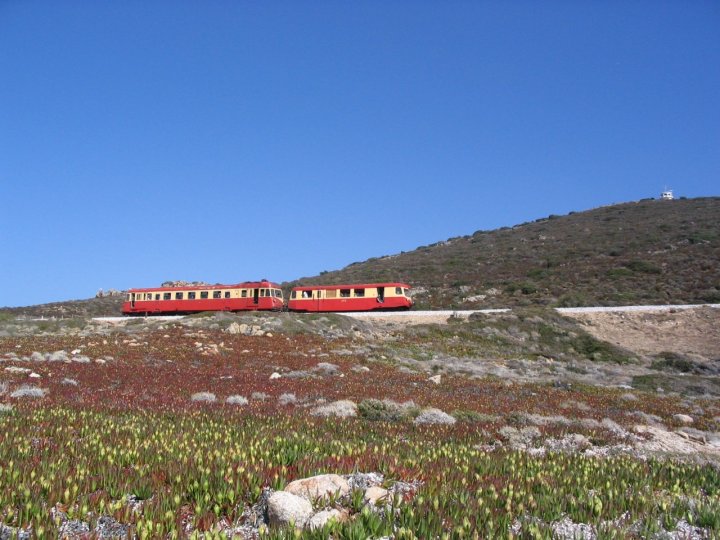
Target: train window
x=307, y=294
x=359, y=293
x=331, y=293
x=278, y=293
x=406, y=292
x=167, y=296
x=157, y=296
x=293, y=294
x=178, y=296
x=344, y=293
x=148, y=296
x=217, y=294
x=191, y=296
x=203, y=294
x=398, y=290
x=243, y=293
x=227, y=294
x=128, y=298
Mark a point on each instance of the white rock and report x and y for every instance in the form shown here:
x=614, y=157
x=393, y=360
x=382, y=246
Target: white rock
x=436, y=379
x=34, y=375
x=275, y=375
x=319, y=520
x=319, y=486
x=285, y=508
x=375, y=494
x=234, y=328
x=683, y=418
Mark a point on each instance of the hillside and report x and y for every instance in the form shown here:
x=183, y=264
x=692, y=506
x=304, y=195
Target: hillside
x=647, y=252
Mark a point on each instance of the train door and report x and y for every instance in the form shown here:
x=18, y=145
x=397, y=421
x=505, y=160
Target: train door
x=256, y=296
x=381, y=294
x=132, y=300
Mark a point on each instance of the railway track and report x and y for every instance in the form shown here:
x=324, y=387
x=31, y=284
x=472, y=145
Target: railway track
x=431, y=316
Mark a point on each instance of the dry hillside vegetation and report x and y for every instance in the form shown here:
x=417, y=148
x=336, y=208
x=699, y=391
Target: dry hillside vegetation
x=648, y=252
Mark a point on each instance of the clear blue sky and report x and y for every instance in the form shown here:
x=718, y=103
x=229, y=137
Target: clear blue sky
x=227, y=141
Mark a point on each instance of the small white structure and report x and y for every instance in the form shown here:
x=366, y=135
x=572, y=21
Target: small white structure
x=667, y=195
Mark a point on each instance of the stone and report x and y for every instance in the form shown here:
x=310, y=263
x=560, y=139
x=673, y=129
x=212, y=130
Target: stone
x=319, y=520
x=284, y=508
x=319, y=486
x=275, y=375
x=435, y=379
x=375, y=494
x=683, y=418
x=234, y=328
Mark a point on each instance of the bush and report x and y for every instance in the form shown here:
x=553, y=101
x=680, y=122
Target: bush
x=643, y=267
x=29, y=391
x=236, y=400
x=208, y=397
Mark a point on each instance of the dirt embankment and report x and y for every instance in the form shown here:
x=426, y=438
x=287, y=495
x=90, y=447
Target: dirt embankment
x=691, y=331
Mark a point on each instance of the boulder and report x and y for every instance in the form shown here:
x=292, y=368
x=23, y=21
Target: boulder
x=683, y=418
x=284, y=508
x=319, y=486
x=435, y=379
x=374, y=495
x=319, y=520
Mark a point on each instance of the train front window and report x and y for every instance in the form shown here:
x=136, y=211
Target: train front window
x=278, y=293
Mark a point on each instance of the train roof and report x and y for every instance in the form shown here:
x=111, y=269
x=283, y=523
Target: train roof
x=352, y=286
x=244, y=285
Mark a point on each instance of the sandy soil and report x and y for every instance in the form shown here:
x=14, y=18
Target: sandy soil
x=692, y=331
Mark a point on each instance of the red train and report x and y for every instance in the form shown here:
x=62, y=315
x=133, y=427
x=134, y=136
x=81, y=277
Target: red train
x=266, y=296
x=358, y=297
x=251, y=296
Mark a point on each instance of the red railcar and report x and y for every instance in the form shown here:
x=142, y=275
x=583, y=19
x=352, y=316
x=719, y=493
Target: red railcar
x=251, y=296
x=358, y=297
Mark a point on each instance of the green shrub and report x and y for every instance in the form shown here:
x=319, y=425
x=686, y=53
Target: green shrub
x=643, y=267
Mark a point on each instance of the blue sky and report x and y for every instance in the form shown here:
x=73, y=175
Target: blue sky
x=229, y=141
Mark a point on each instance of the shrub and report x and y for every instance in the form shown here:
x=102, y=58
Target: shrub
x=342, y=409
x=236, y=400
x=434, y=416
x=386, y=410
x=208, y=397
x=29, y=391
x=472, y=417
x=287, y=399
x=643, y=267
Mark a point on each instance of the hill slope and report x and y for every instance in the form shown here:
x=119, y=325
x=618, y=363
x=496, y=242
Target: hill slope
x=647, y=252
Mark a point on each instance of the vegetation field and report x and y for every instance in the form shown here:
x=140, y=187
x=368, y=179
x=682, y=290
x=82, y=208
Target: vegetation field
x=191, y=429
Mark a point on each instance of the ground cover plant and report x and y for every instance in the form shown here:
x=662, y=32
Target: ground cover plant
x=184, y=429
x=169, y=475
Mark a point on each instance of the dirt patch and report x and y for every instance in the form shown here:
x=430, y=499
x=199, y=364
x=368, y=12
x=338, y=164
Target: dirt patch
x=691, y=331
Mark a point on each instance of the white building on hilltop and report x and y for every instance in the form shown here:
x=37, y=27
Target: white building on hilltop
x=667, y=195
